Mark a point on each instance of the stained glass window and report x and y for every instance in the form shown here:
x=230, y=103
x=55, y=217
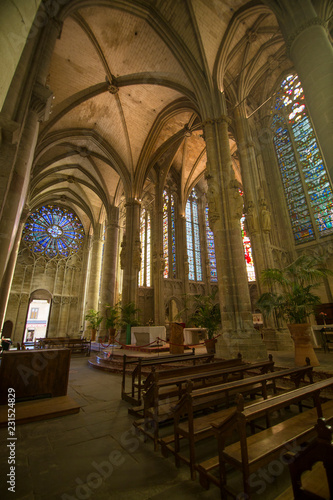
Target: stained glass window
x=193, y=238
x=210, y=249
x=145, y=239
x=169, y=235
x=304, y=177
x=251, y=275
x=53, y=231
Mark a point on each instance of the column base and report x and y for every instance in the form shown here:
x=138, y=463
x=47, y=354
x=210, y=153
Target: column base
x=248, y=343
x=277, y=340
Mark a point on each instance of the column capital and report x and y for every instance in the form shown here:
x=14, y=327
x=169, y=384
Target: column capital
x=9, y=130
x=220, y=119
x=41, y=101
x=315, y=21
x=133, y=202
x=25, y=214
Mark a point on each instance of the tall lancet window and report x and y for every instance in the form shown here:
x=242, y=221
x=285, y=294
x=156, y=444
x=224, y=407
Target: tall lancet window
x=145, y=239
x=169, y=235
x=193, y=238
x=251, y=275
x=210, y=249
x=306, y=184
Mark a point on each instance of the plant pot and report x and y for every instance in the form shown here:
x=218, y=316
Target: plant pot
x=301, y=335
x=210, y=345
x=128, y=334
x=112, y=335
x=93, y=334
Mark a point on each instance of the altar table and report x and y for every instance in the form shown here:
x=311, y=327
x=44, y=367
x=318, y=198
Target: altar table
x=143, y=335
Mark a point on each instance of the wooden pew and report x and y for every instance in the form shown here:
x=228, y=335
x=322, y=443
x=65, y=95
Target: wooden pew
x=249, y=453
x=307, y=479
x=135, y=395
x=163, y=378
x=156, y=411
x=196, y=428
x=75, y=345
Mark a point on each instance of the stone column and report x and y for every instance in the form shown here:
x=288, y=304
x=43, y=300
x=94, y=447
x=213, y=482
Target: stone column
x=95, y=268
x=184, y=268
x=108, y=280
x=110, y=258
x=9, y=273
x=33, y=106
x=130, y=256
x=83, y=284
x=18, y=186
x=158, y=259
x=225, y=210
x=258, y=225
x=311, y=51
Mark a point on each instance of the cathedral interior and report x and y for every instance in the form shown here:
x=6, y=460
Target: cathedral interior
x=152, y=151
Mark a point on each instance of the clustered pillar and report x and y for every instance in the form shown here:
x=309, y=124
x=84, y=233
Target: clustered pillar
x=225, y=208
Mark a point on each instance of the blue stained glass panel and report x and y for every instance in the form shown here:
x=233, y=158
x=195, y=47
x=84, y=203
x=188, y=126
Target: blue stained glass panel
x=210, y=249
x=53, y=231
x=189, y=240
x=193, y=238
x=173, y=237
x=166, y=234
x=317, y=187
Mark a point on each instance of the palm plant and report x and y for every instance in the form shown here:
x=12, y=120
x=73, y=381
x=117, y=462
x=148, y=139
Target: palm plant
x=94, y=318
x=112, y=316
x=206, y=313
x=295, y=300
x=129, y=314
x=129, y=318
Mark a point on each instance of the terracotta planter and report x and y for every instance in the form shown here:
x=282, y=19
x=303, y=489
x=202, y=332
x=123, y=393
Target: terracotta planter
x=93, y=334
x=301, y=335
x=210, y=345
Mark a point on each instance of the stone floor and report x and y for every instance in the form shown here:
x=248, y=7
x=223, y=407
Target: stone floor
x=96, y=454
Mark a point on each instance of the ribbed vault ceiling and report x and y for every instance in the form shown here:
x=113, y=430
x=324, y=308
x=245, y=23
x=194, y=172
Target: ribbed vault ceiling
x=131, y=81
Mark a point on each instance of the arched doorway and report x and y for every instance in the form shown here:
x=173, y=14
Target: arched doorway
x=37, y=316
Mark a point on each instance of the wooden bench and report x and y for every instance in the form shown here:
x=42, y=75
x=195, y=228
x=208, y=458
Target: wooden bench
x=156, y=410
x=137, y=381
x=318, y=451
x=195, y=428
x=162, y=378
x=75, y=345
x=249, y=453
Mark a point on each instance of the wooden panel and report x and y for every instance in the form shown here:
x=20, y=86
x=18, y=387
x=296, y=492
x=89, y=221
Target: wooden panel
x=43, y=409
x=34, y=373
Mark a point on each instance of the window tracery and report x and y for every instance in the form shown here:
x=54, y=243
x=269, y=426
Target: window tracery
x=193, y=237
x=169, y=235
x=306, y=184
x=145, y=238
x=53, y=231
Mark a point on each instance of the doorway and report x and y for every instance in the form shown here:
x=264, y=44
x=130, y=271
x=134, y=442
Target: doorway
x=38, y=316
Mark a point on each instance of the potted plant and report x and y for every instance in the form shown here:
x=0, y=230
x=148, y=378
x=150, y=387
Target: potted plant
x=94, y=319
x=295, y=300
x=207, y=315
x=129, y=318
x=112, y=317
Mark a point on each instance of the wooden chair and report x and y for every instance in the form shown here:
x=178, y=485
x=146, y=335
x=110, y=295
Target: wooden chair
x=319, y=450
